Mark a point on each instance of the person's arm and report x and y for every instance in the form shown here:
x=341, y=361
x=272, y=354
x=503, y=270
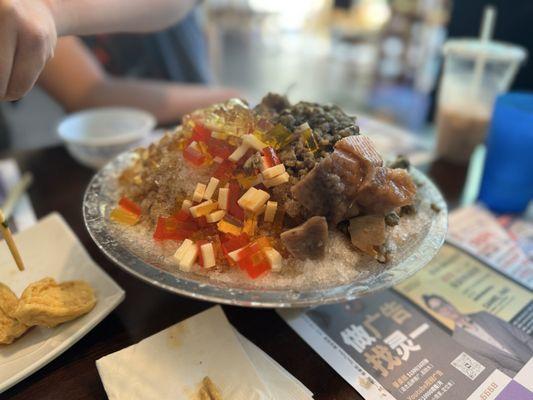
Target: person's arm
x=29, y=30
x=86, y=17
x=77, y=81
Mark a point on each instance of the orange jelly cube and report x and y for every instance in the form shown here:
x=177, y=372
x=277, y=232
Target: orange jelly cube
x=255, y=263
x=129, y=205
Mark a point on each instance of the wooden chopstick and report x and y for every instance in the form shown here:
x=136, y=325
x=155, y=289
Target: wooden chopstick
x=15, y=193
x=6, y=233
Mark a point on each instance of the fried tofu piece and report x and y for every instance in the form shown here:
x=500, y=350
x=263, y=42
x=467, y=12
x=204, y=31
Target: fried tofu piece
x=47, y=303
x=10, y=328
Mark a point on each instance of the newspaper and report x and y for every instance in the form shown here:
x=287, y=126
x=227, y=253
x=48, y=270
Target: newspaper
x=23, y=215
x=498, y=242
x=461, y=328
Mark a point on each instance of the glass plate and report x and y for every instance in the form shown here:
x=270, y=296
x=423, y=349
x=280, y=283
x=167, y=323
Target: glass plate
x=102, y=195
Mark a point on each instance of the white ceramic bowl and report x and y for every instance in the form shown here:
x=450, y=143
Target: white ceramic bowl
x=95, y=136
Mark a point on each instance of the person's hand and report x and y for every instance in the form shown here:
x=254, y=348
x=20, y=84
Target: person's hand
x=27, y=40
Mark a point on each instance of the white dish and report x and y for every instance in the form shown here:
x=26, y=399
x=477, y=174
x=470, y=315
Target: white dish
x=95, y=136
x=50, y=248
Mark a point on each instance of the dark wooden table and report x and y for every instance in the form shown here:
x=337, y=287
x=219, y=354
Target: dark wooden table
x=58, y=186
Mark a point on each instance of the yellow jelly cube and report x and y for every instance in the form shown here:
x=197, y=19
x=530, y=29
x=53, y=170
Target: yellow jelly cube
x=250, y=226
x=203, y=208
x=227, y=227
x=123, y=216
x=219, y=135
x=278, y=137
x=248, y=181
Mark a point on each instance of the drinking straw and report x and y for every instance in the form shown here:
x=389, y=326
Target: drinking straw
x=473, y=176
x=509, y=75
x=485, y=35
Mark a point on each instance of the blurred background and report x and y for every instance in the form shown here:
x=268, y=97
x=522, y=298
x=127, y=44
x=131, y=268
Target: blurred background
x=375, y=57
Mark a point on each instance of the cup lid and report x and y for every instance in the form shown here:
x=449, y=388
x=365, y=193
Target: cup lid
x=491, y=50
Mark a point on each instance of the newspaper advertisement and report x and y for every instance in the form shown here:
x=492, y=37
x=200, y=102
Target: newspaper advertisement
x=458, y=329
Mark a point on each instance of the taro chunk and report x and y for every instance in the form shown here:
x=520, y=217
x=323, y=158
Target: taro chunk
x=321, y=192
x=307, y=241
x=387, y=190
x=368, y=233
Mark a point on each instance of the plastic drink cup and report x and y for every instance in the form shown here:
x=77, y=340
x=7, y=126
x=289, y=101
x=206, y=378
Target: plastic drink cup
x=475, y=73
x=507, y=184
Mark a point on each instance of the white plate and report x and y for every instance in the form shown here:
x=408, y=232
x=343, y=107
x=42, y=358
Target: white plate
x=50, y=248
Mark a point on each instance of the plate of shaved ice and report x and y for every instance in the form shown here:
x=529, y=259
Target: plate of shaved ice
x=276, y=205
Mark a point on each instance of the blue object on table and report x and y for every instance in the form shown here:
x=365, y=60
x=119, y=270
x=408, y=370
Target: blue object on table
x=507, y=185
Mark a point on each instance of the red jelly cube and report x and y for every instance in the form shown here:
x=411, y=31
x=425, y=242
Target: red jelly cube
x=189, y=225
x=193, y=156
x=224, y=170
x=183, y=215
x=270, y=158
x=129, y=205
x=217, y=246
x=210, y=230
x=201, y=133
x=233, y=207
x=219, y=148
x=231, y=243
x=165, y=228
x=236, y=211
x=249, y=251
x=201, y=221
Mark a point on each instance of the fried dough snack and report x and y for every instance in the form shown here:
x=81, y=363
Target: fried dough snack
x=47, y=303
x=10, y=328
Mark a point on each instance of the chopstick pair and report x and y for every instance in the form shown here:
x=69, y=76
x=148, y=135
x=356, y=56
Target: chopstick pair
x=5, y=212
x=6, y=233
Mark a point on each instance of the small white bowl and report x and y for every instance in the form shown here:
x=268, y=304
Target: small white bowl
x=95, y=136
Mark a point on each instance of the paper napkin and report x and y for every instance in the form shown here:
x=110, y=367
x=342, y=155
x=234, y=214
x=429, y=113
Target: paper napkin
x=172, y=363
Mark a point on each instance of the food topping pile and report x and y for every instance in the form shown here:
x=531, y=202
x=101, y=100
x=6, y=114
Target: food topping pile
x=271, y=183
